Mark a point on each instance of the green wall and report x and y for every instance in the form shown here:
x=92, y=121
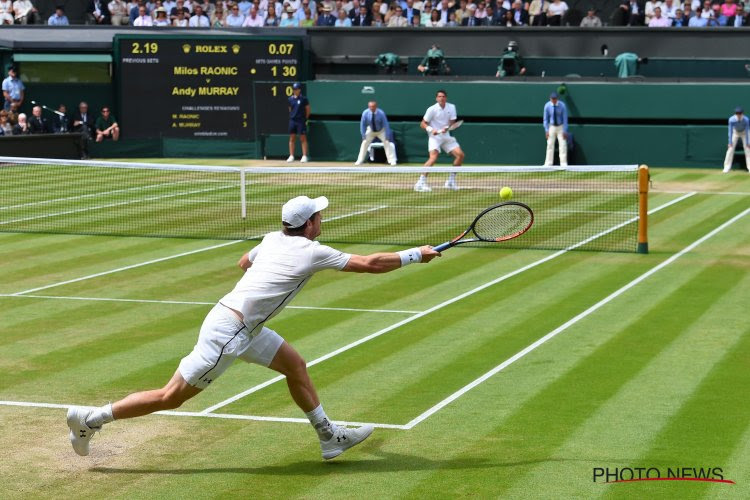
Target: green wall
x=524, y=144
x=502, y=99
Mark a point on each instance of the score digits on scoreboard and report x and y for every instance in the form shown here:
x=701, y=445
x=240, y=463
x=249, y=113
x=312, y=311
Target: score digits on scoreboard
x=205, y=87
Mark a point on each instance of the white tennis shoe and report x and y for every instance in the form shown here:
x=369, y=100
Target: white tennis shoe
x=304, y=159
x=343, y=439
x=290, y=159
x=451, y=184
x=422, y=187
x=80, y=433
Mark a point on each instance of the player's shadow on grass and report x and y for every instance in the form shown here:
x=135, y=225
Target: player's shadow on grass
x=359, y=460
x=356, y=461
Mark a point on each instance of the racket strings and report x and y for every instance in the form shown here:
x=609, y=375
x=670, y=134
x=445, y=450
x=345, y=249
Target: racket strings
x=502, y=222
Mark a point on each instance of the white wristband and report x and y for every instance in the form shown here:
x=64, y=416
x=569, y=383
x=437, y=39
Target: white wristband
x=429, y=129
x=410, y=256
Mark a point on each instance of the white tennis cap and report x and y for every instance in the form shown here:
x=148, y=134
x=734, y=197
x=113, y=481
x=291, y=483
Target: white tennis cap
x=296, y=211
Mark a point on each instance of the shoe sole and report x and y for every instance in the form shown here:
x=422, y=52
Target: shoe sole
x=328, y=455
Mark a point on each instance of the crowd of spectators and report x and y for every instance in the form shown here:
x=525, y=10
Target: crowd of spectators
x=383, y=13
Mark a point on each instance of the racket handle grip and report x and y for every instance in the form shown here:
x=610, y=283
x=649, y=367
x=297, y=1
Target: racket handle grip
x=442, y=246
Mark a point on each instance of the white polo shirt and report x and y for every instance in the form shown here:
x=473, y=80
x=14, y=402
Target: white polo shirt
x=439, y=118
x=281, y=266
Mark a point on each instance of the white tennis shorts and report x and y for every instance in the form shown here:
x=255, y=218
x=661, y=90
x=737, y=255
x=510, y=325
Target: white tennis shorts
x=223, y=338
x=445, y=141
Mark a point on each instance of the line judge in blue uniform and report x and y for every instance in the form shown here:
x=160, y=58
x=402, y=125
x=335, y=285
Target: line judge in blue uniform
x=556, y=127
x=299, y=112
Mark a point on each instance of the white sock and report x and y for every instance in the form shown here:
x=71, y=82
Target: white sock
x=100, y=416
x=422, y=178
x=320, y=422
x=452, y=177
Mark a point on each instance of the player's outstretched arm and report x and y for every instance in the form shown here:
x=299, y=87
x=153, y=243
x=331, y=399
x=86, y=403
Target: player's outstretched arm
x=384, y=262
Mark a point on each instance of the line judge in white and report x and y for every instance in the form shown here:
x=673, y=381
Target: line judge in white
x=436, y=121
x=374, y=123
x=274, y=272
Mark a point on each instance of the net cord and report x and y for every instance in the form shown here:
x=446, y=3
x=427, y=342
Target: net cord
x=321, y=170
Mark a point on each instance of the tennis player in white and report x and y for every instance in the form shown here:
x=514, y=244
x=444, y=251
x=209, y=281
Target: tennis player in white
x=435, y=122
x=275, y=271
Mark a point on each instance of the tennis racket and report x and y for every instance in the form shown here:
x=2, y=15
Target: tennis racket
x=497, y=223
x=452, y=127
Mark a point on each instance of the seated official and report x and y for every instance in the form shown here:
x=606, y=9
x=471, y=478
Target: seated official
x=22, y=127
x=106, y=126
x=37, y=123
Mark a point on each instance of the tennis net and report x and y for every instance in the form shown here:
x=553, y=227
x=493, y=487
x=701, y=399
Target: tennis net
x=596, y=205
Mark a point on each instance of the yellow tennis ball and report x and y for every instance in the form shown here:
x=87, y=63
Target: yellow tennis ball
x=506, y=193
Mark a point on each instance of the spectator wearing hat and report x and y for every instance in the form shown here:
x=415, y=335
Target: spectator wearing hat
x=161, y=17
x=290, y=19
x=326, y=19
x=58, y=18
x=591, y=20
x=299, y=113
x=739, y=129
x=555, y=120
x=13, y=89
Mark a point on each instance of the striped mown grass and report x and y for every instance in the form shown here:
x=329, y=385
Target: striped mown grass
x=656, y=377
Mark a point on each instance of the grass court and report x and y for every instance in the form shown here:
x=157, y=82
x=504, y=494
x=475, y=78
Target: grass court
x=504, y=373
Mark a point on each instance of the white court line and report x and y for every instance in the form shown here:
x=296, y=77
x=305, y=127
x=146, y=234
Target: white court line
x=195, y=303
x=162, y=259
x=359, y=212
x=228, y=416
x=571, y=322
x=110, y=205
x=438, y=306
x=125, y=268
x=730, y=193
x=91, y=195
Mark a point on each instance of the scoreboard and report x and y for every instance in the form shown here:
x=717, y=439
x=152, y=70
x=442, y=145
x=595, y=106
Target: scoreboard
x=202, y=87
